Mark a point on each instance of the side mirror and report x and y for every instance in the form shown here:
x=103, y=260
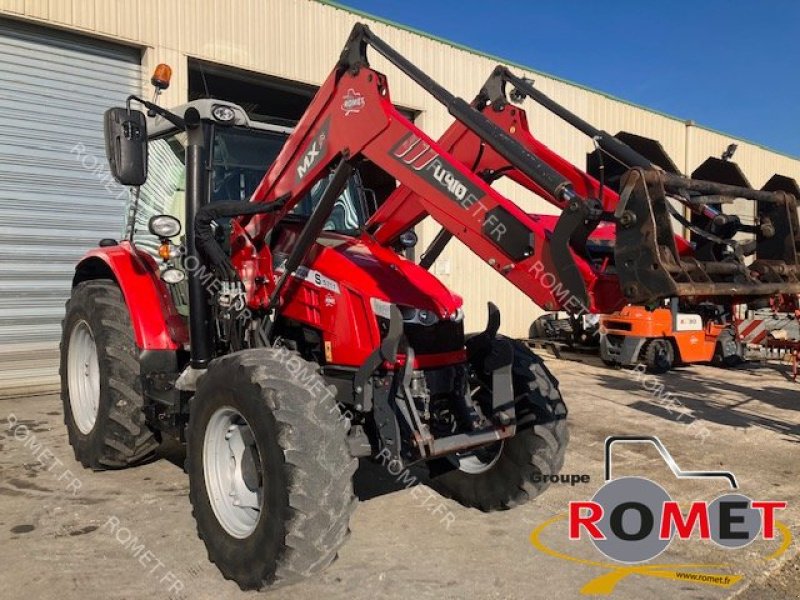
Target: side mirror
x=126, y=145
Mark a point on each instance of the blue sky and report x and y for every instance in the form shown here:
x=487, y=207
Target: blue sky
x=730, y=65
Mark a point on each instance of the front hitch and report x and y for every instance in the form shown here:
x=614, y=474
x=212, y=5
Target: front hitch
x=493, y=356
x=492, y=359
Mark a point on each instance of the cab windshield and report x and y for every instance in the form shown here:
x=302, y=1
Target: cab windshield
x=239, y=159
x=349, y=211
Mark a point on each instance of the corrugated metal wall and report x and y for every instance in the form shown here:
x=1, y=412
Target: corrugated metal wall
x=300, y=40
x=56, y=199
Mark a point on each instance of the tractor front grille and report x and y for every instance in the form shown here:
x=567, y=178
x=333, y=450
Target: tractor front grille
x=443, y=336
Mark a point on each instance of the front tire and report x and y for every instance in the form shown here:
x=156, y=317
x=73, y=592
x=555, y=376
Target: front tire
x=101, y=389
x=728, y=351
x=516, y=470
x=270, y=473
x=659, y=356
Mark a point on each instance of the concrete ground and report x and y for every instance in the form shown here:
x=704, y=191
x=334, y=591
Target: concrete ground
x=67, y=533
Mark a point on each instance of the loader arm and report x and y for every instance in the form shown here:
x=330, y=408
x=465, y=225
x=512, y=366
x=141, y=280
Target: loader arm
x=651, y=261
x=404, y=209
x=352, y=118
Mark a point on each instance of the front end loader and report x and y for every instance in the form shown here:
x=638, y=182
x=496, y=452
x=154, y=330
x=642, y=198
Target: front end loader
x=284, y=336
x=590, y=257
x=281, y=342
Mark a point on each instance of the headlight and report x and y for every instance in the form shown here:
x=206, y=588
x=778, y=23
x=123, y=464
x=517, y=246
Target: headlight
x=164, y=226
x=458, y=315
x=411, y=315
x=422, y=316
x=223, y=113
x=172, y=275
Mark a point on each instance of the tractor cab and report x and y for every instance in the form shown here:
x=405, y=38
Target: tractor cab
x=240, y=151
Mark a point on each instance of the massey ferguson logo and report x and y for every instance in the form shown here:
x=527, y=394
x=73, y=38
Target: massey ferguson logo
x=314, y=153
x=352, y=102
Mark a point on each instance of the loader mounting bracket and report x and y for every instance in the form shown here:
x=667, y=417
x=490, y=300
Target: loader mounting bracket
x=647, y=259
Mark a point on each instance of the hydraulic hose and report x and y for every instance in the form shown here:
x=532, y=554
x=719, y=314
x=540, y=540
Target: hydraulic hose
x=204, y=234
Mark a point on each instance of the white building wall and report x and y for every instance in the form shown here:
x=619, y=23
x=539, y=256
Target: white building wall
x=301, y=39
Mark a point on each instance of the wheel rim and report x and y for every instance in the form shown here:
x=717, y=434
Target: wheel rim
x=479, y=460
x=232, y=469
x=83, y=377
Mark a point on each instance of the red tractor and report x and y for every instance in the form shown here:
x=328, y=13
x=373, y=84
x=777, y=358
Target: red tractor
x=285, y=335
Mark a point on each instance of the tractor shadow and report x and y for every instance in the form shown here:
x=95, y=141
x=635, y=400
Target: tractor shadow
x=712, y=399
x=172, y=451
x=372, y=479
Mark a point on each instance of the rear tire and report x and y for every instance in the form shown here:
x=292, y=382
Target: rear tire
x=659, y=356
x=291, y=481
x=512, y=472
x=100, y=386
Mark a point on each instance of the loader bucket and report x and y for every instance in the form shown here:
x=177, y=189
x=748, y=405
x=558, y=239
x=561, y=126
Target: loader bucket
x=782, y=183
x=649, y=148
x=719, y=171
x=647, y=260
x=785, y=242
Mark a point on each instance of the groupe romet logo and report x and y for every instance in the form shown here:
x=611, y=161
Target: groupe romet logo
x=633, y=519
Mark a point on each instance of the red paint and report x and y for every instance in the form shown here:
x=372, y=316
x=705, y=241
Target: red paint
x=361, y=270
x=156, y=324
x=698, y=514
x=768, y=508
x=588, y=520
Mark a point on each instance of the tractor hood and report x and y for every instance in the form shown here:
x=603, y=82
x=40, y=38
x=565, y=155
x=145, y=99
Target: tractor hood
x=378, y=272
x=373, y=271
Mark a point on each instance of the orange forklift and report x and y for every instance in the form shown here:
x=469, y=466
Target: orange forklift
x=666, y=336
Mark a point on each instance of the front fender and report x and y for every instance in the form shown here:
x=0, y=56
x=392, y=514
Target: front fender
x=156, y=323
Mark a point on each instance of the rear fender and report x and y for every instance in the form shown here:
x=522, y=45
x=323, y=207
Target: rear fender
x=156, y=323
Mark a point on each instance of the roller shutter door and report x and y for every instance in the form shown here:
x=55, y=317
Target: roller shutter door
x=56, y=197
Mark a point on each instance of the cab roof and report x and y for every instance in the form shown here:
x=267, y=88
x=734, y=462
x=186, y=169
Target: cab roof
x=158, y=126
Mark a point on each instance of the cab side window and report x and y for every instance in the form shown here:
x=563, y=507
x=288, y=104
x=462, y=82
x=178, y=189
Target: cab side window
x=162, y=193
